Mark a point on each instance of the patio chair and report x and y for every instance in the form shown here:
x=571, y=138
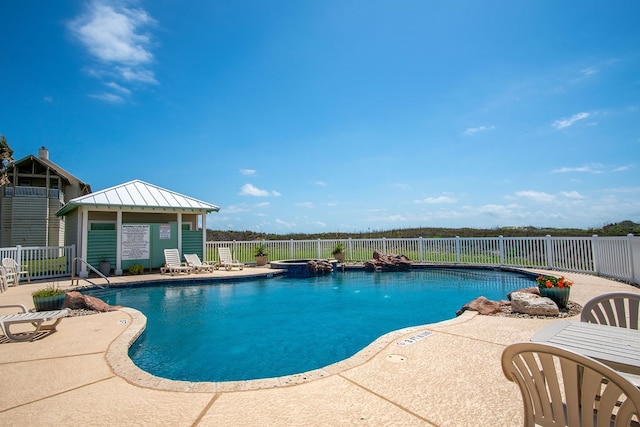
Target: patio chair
x=36, y=319
x=4, y=280
x=173, y=264
x=620, y=309
x=11, y=265
x=193, y=261
x=227, y=261
x=563, y=388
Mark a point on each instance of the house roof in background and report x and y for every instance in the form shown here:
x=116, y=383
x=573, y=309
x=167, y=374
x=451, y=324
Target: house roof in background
x=138, y=194
x=56, y=168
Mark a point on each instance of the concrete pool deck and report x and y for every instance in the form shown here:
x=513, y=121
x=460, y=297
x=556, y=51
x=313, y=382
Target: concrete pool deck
x=81, y=375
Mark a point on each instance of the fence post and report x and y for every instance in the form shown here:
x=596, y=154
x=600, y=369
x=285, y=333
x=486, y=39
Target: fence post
x=631, y=266
x=457, y=249
x=19, y=254
x=595, y=252
x=318, y=250
x=291, y=249
x=501, y=249
x=420, y=250
x=349, y=249
x=548, y=251
x=384, y=245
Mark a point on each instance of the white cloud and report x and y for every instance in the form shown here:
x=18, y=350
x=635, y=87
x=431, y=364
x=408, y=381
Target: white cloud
x=252, y=190
x=440, y=199
x=114, y=37
x=309, y=205
x=572, y=195
x=285, y=223
x=321, y=183
x=581, y=169
x=536, y=196
x=473, y=131
x=248, y=171
x=111, y=98
x=564, y=123
x=115, y=86
x=622, y=168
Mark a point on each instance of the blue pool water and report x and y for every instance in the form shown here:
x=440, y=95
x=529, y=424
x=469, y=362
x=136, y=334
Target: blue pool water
x=281, y=326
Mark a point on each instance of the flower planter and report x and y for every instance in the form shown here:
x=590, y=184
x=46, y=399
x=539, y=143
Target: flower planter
x=339, y=257
x=104, y=267
x=55, y=302
x=558, y=295
x=261, y=260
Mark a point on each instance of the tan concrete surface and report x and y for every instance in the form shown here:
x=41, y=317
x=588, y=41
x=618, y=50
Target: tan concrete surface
x=81, y=375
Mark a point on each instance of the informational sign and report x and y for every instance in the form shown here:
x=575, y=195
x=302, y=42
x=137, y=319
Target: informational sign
x=135, y=241
x=165, y=232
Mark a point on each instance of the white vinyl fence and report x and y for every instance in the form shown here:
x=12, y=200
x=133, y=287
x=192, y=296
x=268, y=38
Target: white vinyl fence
x=614, y=257
x=43, y=262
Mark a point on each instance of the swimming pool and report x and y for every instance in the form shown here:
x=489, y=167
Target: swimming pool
x=280, y=326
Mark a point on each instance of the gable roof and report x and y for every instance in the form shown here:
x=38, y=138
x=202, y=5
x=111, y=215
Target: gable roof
x=54, y=167
x=138, y=194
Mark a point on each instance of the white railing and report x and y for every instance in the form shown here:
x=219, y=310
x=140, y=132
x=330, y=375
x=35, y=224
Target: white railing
x=615, y=257
x=43, y=262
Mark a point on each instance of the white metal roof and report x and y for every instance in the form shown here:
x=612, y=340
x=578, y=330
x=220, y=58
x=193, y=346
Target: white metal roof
x=138, y=194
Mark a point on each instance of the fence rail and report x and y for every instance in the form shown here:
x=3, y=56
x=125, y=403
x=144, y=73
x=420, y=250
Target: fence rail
x=614, y=257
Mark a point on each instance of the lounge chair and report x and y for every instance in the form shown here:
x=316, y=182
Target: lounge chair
x=4, y=280
x=35, y=318
x=227, y=261
x=193, y=261
x=563, y=388
x=173, y=264
x=620, y=309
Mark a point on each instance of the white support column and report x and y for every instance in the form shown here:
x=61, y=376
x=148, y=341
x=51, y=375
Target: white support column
x=84, y=236
x=204, y=236
x=180, y=233
x=119, y=243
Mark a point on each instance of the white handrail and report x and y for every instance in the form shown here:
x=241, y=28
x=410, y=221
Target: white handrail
x=77, y=278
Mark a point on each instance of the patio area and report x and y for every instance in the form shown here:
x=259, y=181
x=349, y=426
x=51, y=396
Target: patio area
x=81, y=375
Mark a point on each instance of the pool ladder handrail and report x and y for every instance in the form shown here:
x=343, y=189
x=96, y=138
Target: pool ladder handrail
x=92, y=268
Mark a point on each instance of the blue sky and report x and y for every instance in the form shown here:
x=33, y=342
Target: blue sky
x=338, y=116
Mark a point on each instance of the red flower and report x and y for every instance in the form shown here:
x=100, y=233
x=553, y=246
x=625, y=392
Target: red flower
x=549, y=284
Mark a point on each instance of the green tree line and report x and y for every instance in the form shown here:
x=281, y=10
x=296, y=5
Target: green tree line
x=616, y=229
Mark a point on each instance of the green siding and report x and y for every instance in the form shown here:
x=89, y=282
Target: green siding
x=101, y=244
x=192, y=242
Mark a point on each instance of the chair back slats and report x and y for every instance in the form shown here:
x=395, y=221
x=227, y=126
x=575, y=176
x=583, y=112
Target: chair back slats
x=620, y=309
x=562, y=388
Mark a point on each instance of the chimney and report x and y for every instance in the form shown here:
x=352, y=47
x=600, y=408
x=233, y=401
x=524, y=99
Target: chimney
x=43, y=153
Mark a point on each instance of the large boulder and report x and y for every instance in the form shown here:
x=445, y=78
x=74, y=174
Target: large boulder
x=482, y=305
x=76, y=300
x=530, y=290
x=387, y=262
x=321, y=266
x=532, y=304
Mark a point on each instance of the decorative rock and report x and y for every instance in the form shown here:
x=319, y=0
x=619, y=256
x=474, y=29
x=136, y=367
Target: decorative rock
x=76, y=300
x=387, y=262
x=531, y=290
x=528, y=303
x=321, y=266
x=482, y=305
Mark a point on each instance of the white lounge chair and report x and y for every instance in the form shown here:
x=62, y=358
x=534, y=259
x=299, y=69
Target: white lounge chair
x=227, y=261
x=35, y=318
x=16, y=269
x=173, y=264
x=193, y=261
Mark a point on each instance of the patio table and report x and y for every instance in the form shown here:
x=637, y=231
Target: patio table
x=616, y=347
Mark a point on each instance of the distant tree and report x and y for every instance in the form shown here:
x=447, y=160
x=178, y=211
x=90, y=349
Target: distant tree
x=6, y=159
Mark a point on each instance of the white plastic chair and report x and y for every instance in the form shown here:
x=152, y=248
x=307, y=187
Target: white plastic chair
x=563, y=388
x=173, y=264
